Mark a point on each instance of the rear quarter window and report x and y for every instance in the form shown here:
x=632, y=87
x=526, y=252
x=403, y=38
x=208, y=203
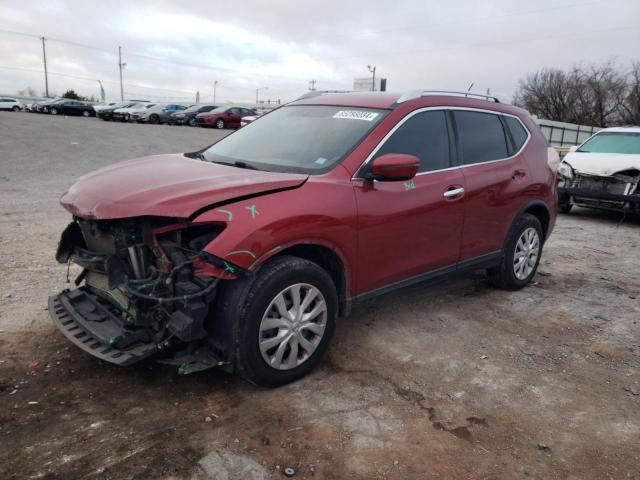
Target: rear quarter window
x=481, y=137
x=518, y=132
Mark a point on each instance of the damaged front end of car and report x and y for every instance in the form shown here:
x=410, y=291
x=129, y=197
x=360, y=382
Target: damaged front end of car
x=146, y=289
x=619, y=191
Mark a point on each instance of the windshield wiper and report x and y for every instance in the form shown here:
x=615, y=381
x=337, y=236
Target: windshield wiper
x=241, y=164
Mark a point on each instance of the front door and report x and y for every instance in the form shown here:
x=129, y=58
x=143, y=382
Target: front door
x=409, y=228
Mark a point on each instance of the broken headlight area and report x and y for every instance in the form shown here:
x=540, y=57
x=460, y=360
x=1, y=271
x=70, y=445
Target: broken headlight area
x=620, y=191
x=144, y=289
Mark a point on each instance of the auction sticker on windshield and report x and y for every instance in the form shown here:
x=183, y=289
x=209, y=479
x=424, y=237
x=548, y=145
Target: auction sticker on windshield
x=356, y=115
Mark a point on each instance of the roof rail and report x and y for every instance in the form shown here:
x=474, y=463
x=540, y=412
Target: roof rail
x=317, y=93
x=413, y=94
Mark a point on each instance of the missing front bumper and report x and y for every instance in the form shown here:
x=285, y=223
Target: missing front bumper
x=90, y=325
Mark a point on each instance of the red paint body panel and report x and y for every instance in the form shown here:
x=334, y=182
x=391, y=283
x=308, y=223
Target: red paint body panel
x=404, y=232
x=167, y=186
x=383, y=232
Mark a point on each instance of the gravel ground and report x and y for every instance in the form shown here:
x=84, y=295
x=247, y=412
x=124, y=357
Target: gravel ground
x=448, y=381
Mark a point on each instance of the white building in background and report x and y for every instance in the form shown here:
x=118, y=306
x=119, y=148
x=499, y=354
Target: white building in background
x=365, y=84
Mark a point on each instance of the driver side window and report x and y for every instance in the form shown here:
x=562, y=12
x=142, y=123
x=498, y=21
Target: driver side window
x=424, y=135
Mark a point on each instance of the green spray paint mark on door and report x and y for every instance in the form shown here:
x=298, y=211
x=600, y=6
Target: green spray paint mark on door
x=409, y=185
x=253, y=210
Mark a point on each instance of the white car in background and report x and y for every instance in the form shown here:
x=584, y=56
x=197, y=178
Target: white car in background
x=124, y=114
x=603, y=172
x=10, y=104
x=102, y=106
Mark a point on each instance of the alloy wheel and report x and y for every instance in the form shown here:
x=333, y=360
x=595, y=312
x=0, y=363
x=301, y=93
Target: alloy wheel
x=526, y=253
x=292, y=326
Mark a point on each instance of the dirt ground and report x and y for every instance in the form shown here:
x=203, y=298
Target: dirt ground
x=447, y=381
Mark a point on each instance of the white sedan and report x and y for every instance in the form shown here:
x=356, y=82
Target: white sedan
x=603, y=172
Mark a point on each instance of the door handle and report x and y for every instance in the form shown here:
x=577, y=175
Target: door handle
x=519, y=174
x=453, y=192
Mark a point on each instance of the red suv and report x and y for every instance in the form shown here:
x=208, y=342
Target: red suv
x=243, y=255
x=223, y=117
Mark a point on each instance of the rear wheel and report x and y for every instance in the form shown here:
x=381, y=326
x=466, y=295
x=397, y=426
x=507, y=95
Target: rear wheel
x=219, y=123
x=285, y=319
x=154, y=119
x=16, y=109
x=86, y=113
x=522, y=255
x=53, y=111
x=192, y=122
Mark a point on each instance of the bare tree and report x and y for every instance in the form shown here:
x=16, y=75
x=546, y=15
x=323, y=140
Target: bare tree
x=548, y=94
x=630, y=111
x=598, y=95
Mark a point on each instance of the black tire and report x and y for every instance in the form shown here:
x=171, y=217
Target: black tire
x=16, y=109
x=220, y=124
x=565, y=207
x=192, y=122
x=504, y=275
x=154, y=119
x=86, y=113
x=243, y=303
x=53, y=111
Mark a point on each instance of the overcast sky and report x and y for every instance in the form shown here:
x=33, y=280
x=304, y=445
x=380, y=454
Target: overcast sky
x=173, y=49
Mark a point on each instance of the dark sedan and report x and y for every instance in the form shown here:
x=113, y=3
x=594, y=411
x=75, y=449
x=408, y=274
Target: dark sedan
x=70, y=107
x=188, y=116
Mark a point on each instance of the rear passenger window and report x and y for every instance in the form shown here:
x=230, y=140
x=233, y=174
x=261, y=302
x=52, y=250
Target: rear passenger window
x=481, y=136
x=424, y=135
x=518, y=132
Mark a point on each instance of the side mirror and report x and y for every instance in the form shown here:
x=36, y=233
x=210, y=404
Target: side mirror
x=573, y=148
x=393, y=167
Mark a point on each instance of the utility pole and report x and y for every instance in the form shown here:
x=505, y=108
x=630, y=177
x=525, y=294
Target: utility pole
x=373, y=80
x=121, y=66
x=46, y=75
x=312, y=85
x=257, y=90
x=215, y=85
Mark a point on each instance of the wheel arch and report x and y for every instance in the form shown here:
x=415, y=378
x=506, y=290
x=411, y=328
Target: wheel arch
x=540, y=210
x=329, y=260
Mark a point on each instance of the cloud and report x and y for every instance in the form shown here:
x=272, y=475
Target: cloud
x=173, y=49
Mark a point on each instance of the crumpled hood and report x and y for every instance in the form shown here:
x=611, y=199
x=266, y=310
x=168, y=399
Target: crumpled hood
x=602, y=164
x=167, y=186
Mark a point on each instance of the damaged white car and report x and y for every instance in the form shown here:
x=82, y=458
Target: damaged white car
x=603, y=172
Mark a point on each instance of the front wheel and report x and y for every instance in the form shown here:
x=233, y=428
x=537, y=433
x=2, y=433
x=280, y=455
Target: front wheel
x=154, y=119
x=86, y=113
x=285, y=320
x=521, y=256
x=192, y=122
x=220, y=123
x=54, y=111
x=16, y=109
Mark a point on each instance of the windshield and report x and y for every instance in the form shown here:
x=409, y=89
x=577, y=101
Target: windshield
x=613, y=142
x=306, y=138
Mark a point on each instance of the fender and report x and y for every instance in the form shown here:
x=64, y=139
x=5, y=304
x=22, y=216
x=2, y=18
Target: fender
x=526, y=206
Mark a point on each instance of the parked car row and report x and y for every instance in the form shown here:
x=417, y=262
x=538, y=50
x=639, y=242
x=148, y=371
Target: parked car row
x=143, y=111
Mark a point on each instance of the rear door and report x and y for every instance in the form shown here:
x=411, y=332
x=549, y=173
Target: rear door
x=235, y=114
x=495, y=178
x=406, y=229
